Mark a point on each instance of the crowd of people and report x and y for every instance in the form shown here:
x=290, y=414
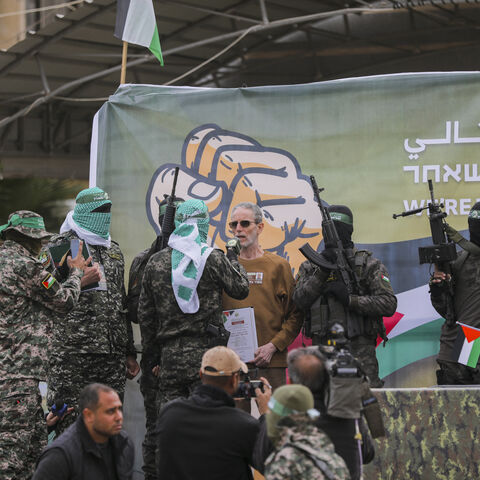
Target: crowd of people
x=66, y=319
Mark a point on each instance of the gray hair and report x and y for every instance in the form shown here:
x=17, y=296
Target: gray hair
x=89, y=395
x=313, y=376
x=257, y=212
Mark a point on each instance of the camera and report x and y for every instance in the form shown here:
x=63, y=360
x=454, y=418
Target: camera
x=343, y=364
x=246, y=388
x=340, y=361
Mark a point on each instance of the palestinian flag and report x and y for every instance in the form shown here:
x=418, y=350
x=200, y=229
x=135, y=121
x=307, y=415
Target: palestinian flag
x=467, y=346
x=136, y=23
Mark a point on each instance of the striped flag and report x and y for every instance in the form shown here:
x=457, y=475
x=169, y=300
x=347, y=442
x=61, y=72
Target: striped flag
x=467, y=345
x=136, y=23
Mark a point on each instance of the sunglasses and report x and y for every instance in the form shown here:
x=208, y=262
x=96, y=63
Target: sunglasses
x=243, y=224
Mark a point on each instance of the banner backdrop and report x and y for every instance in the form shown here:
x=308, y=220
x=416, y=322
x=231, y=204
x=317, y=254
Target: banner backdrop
x=372, y=143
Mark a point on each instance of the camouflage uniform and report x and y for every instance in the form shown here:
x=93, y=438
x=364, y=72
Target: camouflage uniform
x=92, y=341
x=466, y=291
x=181, y=339
x=148, y=381
x=27, y=311
x=374, y=301
x=303, y=452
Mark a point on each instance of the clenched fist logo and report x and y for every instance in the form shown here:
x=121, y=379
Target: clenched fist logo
x=224, y=168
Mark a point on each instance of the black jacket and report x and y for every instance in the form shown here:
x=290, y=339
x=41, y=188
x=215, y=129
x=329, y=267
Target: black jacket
x=205, y=437
x=342, y=432
x=75, y=456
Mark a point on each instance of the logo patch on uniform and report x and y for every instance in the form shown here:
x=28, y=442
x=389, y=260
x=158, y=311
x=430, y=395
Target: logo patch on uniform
x=255, y=278
x=44, y=257
x=115, y=256
x=48, y=281
x=385, y=278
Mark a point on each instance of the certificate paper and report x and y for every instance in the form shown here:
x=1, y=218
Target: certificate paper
x=243, y=333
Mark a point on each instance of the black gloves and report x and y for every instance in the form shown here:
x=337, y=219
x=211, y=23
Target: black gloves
x=338, y=290
x=330, y=255
x=233, y=248
x=437, y=289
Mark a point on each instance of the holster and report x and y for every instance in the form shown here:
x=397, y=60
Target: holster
x=217, y=335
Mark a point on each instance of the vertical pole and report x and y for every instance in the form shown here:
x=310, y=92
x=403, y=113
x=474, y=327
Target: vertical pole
x=124, y=63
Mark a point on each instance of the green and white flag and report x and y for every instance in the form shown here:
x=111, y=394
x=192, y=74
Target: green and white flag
x=136, y=23
x=467, y=345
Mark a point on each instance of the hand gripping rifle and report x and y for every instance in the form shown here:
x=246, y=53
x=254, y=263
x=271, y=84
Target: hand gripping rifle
x=343, y=265
x=168, y=224
x=442, y=252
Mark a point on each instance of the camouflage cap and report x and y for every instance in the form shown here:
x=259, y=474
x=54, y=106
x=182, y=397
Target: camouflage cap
x=27, y=223
x=222, y=362
x=289, y=400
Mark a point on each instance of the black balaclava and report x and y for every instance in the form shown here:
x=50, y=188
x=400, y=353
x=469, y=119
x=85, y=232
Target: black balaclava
x=343, y=219
x=474, y=224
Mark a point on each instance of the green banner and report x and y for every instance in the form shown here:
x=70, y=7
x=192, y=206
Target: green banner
x=372, y=143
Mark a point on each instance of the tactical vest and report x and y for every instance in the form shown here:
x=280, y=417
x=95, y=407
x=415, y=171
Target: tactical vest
x=326, y=310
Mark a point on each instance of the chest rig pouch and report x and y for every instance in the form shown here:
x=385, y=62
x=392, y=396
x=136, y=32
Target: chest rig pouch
x=326, y=310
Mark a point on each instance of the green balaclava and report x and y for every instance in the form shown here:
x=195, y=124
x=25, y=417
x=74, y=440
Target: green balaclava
x=193, y=212
x=85, y=216
x=288, y=400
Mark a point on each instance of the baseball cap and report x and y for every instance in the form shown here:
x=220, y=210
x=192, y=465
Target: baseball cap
x=222, y=362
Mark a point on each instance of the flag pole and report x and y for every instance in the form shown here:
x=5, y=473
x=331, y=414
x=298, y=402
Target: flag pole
x=123, y=73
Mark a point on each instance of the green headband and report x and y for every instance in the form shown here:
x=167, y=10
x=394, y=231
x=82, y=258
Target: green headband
x=29, y=222
x=475, y=214
x=93, y=197
x=341, y=217
x=282, y=411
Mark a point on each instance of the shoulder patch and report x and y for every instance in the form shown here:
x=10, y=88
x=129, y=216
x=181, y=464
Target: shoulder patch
x=385, y=278
x=48, y=281
x=115, y=256
x=44, y=258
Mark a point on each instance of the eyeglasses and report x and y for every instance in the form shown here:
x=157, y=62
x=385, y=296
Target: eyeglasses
x=243, y=224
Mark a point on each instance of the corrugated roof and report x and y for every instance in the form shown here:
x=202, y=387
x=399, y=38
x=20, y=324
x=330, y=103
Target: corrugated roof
x=46, y=79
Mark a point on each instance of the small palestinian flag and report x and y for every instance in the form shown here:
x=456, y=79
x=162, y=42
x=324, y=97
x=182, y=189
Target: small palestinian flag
x=136, y=23
x=48, y=281
x=466, y=349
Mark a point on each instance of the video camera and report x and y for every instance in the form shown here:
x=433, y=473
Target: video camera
x=348, y=394
x=340, y=362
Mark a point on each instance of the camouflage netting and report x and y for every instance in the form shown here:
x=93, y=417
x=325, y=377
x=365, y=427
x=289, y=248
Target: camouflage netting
x=431, y=434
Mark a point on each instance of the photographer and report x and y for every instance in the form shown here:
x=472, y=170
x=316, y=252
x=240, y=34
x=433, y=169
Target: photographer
x=205, y=436
x=307, y=366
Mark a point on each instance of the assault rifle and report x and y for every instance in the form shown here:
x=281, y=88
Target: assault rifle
x=345, y=265
x=168, y=224
x=442, y=252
